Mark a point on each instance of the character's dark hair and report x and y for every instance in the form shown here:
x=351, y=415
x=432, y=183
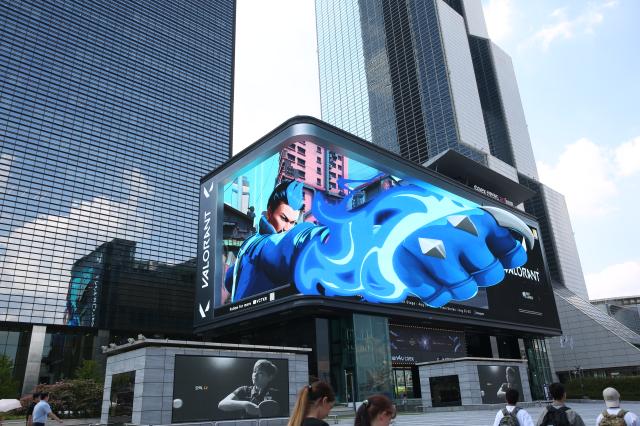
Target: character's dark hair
x=36, y=395
x=43, y=395
x=267, y=366
x=370, y=409
x=557, y=391
x=512, y=396
x=288, y=192
x=308, y=396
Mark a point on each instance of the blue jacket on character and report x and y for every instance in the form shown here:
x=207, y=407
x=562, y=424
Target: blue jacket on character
x=265, y=260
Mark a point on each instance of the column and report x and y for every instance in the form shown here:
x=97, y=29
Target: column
x=32, y=370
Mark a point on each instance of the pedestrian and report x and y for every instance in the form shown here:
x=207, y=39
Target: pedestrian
x=512, y=415
x=34, y=401
x=377, y=410
x=42, y=410
x=558, y=414
x=313, y=405
x=614, y=415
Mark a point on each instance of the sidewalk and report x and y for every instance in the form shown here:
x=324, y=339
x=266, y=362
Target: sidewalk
x=588, y=410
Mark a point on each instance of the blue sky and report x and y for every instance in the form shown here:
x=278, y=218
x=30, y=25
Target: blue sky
x=577, y=65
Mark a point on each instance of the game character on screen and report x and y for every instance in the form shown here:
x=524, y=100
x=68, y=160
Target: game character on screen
x=258, y=399
x=410, y=240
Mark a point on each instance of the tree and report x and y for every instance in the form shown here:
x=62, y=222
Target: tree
x=89, y=370
x=8, y=386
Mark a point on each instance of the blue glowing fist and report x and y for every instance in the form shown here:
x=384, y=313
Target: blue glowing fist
x=410, y=241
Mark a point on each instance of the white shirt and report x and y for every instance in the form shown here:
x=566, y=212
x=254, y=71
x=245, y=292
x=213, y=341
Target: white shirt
x=523, y=417
x=630, y=418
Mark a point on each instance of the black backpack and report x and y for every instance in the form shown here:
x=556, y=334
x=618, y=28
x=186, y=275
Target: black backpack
x=556, y=416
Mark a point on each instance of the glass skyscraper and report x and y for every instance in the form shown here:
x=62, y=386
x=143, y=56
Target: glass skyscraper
x=109, y=115
x=434, y=82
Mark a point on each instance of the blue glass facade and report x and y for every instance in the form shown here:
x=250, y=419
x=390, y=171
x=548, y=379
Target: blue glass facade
x=109, y=115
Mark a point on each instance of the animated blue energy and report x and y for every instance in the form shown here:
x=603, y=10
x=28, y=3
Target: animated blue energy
x=408, y=241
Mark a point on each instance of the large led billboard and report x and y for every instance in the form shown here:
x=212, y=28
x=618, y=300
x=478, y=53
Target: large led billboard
x=336, y=219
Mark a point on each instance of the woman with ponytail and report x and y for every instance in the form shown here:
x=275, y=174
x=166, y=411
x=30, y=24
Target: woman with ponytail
x=313, y=404
x=377, y=410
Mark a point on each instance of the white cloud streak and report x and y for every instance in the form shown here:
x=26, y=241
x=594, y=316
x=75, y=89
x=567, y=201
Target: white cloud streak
x=565, y=27
x=583, y=170
x=499, y=17
x=617, y=280
x=627, y=157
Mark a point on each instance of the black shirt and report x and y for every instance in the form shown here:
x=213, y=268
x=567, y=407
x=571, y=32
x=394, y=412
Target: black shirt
x=250, y=393
x=312, y=421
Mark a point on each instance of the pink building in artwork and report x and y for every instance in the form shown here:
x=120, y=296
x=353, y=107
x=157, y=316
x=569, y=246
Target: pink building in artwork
x=314, y=165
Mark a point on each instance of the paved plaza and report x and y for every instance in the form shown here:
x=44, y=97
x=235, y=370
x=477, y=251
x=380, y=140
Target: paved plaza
x=588, y=411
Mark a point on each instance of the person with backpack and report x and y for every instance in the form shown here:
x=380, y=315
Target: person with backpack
x=614, y=415
x=512, y=415
x=558, y=414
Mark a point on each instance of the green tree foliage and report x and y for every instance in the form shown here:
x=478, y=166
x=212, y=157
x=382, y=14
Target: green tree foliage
x=628, y=386
x=90, y=370
x=8, y=386
x=72, y=398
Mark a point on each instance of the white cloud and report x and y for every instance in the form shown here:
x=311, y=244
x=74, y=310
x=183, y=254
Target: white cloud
x=44, y=249
x=619, y=280
x=583, y=170
x=499, y=16
x=276, y=66
x=627, y=157
x=565, y=27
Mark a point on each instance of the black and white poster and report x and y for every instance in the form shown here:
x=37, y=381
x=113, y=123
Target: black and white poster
x=496, y=379
x=209, y=388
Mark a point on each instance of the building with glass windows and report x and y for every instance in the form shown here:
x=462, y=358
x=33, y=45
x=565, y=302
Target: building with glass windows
x=109, y=115
x=427, y=82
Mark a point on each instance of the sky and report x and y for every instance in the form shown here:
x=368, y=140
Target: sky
x=577, y=64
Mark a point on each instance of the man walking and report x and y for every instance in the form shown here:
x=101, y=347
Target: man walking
x=512, y=415
x=32, y=405
x=558, y=414
x=42, y=410
x=614, y=415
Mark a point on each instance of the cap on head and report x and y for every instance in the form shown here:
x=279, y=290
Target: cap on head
x=611, y=397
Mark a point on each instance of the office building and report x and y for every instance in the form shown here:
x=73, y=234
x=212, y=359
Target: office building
x=425, y=81
x=109, y=115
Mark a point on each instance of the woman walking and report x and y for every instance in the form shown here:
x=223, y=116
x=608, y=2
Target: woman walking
x=313, y=405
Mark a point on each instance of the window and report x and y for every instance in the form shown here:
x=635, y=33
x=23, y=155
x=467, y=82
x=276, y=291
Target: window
x=300, y=162
x=301, y=150
x=318, y=160
x=319, y=150
x=318, y=182
x=319, y=170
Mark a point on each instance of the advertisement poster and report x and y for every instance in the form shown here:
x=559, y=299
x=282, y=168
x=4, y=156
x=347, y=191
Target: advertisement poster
x=410, y=344
x=211, y=388
x=496, y=379
x=323, y=224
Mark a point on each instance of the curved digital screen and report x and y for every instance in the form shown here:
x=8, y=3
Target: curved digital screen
x=313, y=219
